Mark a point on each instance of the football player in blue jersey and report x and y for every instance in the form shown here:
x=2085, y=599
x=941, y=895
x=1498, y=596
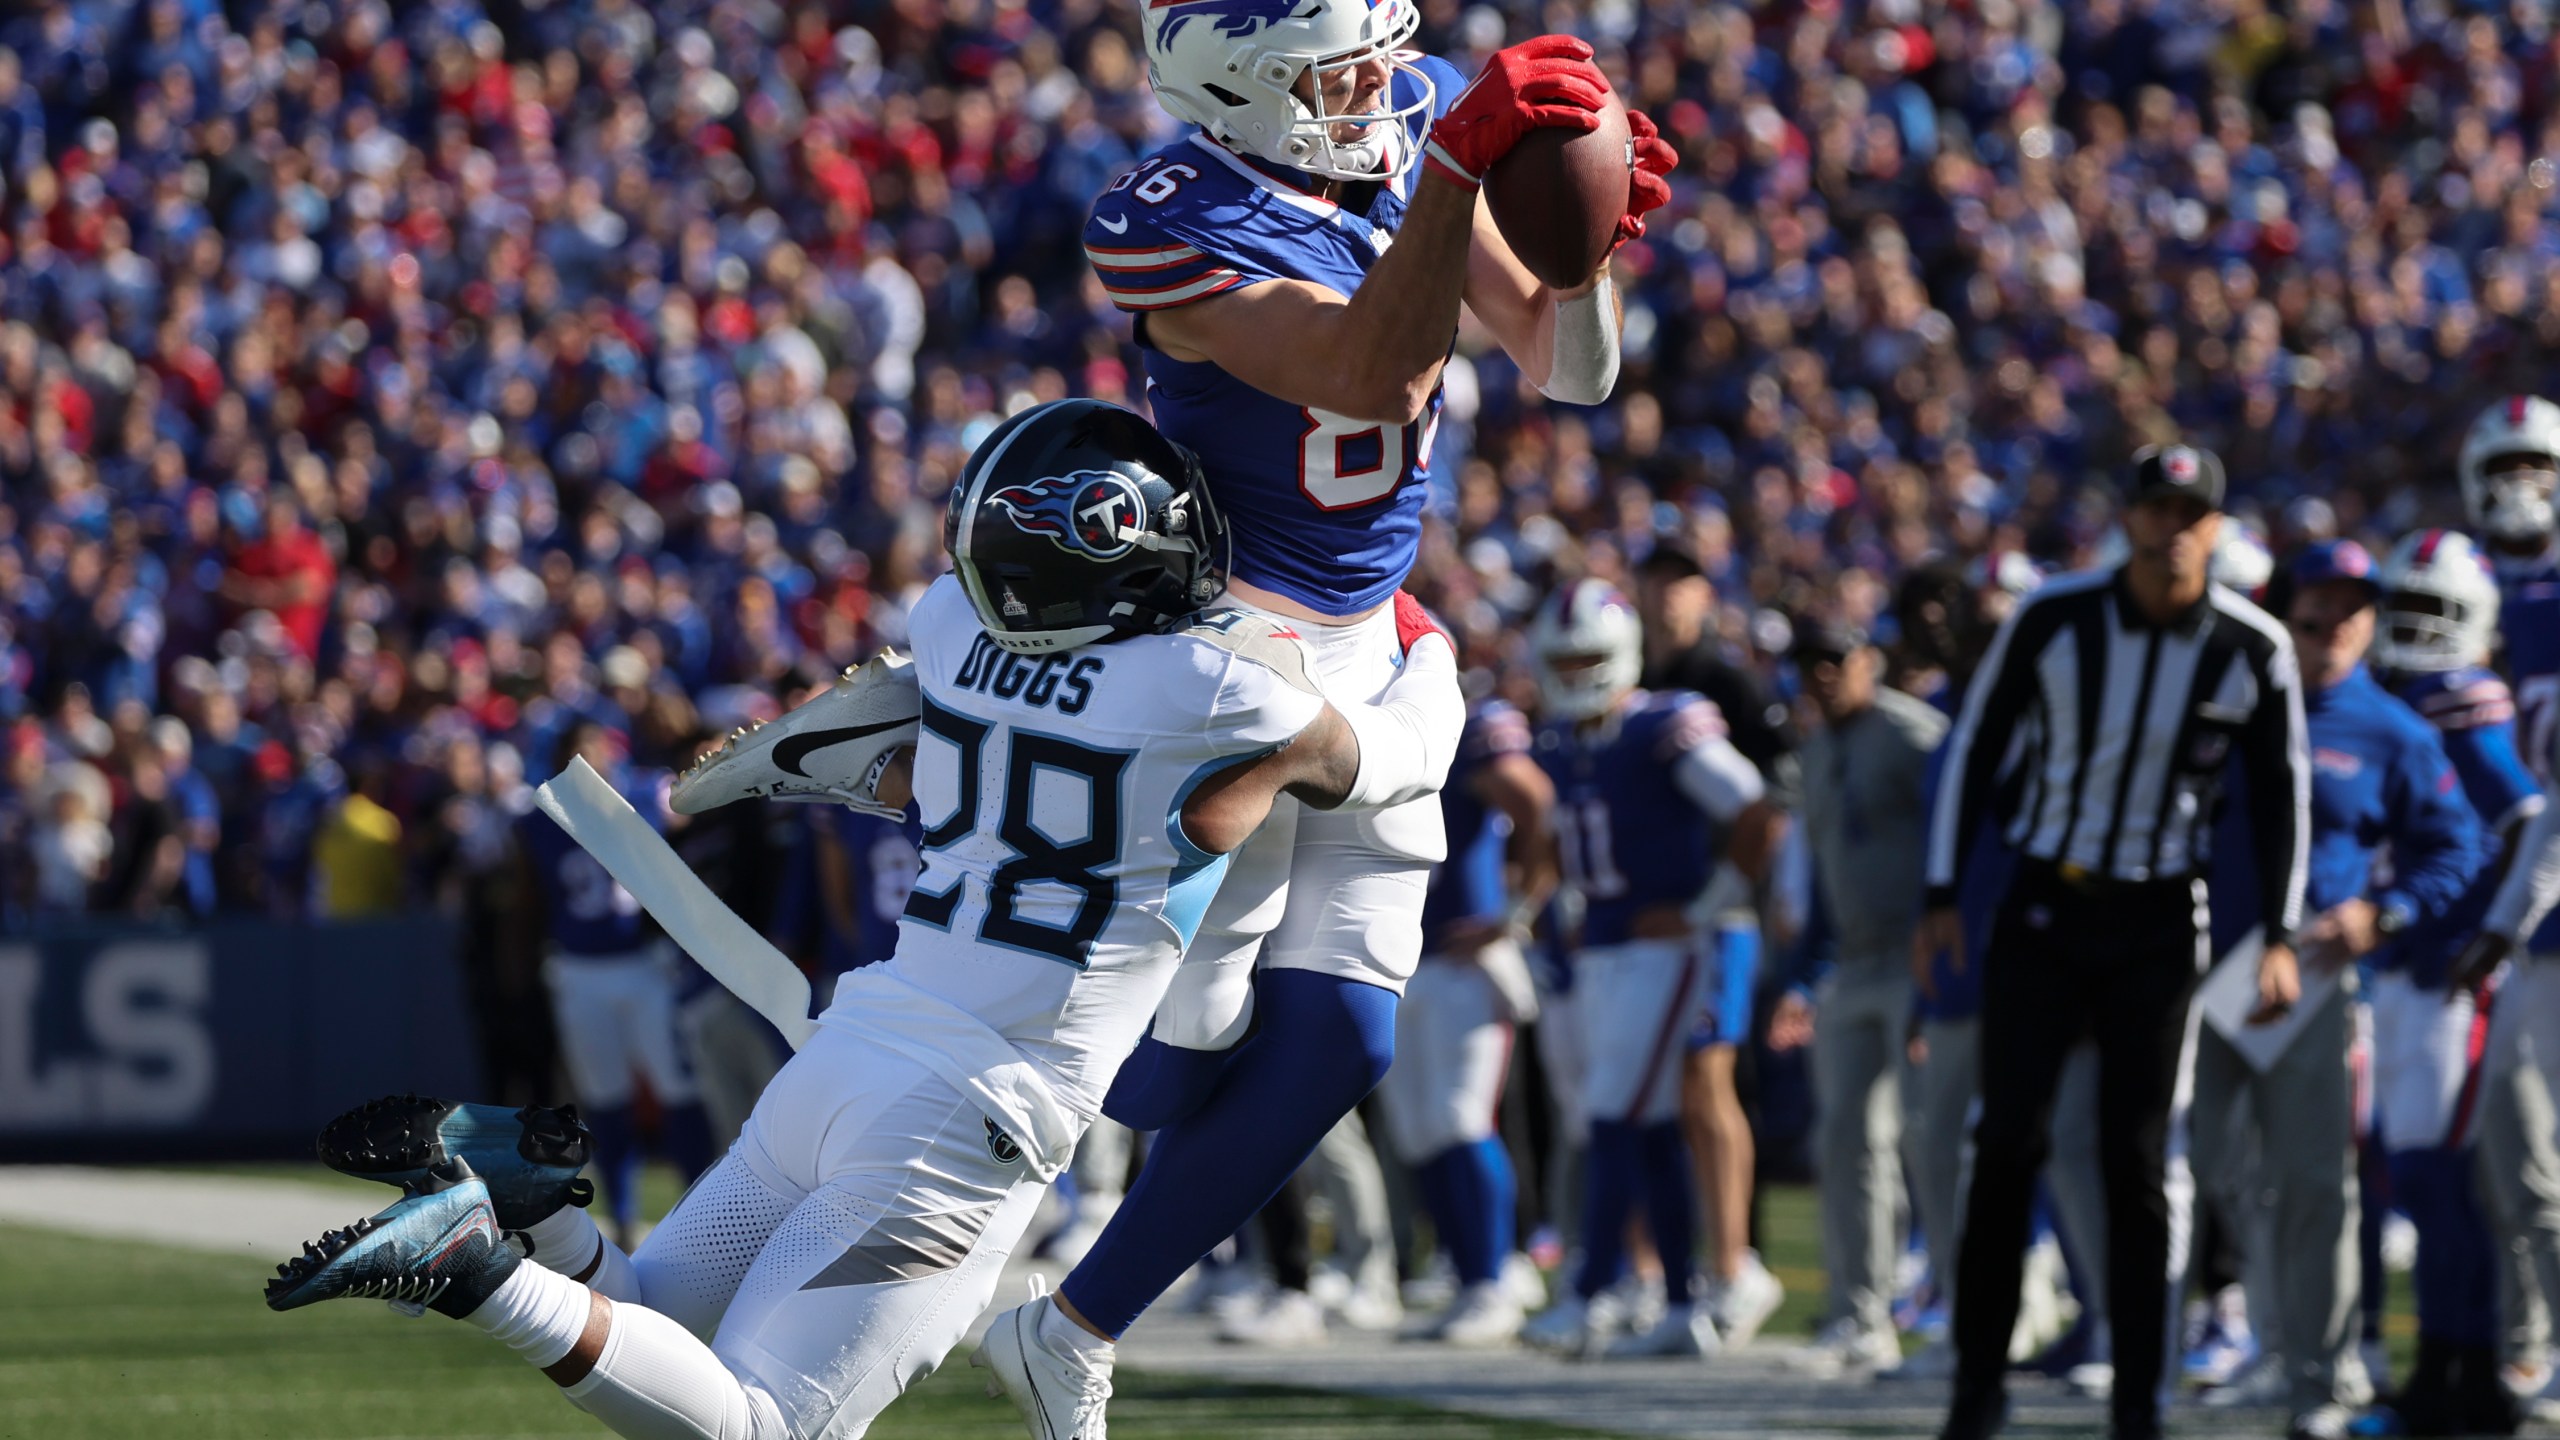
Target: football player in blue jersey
x=1454, y=1030
x=613, y=983
x=2431, y=647
x=2510, y=461
x=867, y=866
x=1297, y=268
x=1664, y=833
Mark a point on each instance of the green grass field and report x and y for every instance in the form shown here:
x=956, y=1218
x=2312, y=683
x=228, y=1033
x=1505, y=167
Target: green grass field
x=111, y=1340
x=105, y=1341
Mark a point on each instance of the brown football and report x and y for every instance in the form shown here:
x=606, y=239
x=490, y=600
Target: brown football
x=1558, y=195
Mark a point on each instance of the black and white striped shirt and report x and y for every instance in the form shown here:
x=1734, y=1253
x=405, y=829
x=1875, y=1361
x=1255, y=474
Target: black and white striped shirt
x=2124, y=730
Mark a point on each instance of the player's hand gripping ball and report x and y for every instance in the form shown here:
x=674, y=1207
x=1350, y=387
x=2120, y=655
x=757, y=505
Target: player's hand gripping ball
x=1548, y=83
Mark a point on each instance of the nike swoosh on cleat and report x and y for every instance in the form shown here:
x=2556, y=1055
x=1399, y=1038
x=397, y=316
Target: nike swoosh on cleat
x=791, y=750
x=1120, y=228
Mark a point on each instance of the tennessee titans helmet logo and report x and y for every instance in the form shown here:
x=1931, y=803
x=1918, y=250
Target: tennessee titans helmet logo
x=1093, y=513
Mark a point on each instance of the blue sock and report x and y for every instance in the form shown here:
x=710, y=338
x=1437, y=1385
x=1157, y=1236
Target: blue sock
x=1616, y=1170
x=1494, y=1199
x=618, y=1156
x=1670, y=1208
x=1159, y=1083
x=684, y=1133
x=1323, y=1043
x=1442, y=1180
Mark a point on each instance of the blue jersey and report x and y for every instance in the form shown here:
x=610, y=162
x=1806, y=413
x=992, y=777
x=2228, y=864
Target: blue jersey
x=1326, y=509
x=2473, y=712
x=1469, y=884
x=881, y=862
x=1632, y=836
x=2381, y=787
x=587, y=910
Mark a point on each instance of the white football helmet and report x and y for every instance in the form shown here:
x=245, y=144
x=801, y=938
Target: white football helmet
x=1231, y=67
x=1587, y=618
x=2513, y=504
x=2241, y=561
x=2439, y=604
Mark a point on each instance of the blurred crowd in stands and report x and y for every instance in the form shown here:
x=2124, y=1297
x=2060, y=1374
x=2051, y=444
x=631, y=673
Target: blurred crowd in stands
x=386, y=388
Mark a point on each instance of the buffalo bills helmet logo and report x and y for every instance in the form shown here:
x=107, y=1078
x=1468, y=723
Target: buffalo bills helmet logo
x=1097, y=514
x=2180, y=464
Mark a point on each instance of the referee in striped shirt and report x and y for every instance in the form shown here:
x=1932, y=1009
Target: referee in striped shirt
x=2123, y=694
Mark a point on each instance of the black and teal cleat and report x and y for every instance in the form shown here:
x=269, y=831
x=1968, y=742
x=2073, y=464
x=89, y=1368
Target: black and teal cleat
x=529, y=1158
x=438, y=1246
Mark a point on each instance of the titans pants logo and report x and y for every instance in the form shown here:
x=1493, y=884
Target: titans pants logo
x=1094, y=513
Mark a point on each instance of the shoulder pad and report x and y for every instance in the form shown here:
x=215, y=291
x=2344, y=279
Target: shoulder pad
x=1688, y=721
x=1270, y=643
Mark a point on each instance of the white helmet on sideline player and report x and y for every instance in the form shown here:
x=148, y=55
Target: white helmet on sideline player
x=1232, y=68
x=2512, y=504
x=1587, y=621
x=2241, y=561
x=2439, y=604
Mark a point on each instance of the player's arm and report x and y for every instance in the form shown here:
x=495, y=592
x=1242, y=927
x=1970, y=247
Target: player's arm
x=1566, y=340
x=1518, y=788
x=1721, y=781
x=1320, y=765
x=1376, y=354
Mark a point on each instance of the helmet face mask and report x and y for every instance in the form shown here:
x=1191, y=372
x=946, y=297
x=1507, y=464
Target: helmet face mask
x=1254, y=75
x=2510, y=463
x=1590, y=650
x=1077, y=522
x=2439, y=606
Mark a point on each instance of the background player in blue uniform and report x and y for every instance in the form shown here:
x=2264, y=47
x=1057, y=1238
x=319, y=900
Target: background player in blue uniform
x=613, y=985
x=866, y=869
x=1664, y=832
x=1297, y=277
x=1454, y=1030
x=2431, y=645
x=2510, y=459
x=2379, y=778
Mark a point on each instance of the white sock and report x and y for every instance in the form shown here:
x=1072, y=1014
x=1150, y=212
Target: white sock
x=1060, y=1333
x=655, y=1381
x=538, y=1314
x=566, y=1240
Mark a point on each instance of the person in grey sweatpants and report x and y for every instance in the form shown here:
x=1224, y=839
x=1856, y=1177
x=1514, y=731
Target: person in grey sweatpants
x=2519, y=1170
x=1865, y=775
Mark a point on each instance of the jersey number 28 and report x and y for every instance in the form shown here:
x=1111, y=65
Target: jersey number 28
x=1040, y=771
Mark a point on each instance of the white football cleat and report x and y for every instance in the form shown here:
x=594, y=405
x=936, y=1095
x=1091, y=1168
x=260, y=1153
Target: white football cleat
x=1062, y=1394
x=1576, y=1328
x=1288, y=1320
x=1845, y=1347
x=832, y=748
x=1684, y=1332
x=1744, y=1303
x=1483, y=1317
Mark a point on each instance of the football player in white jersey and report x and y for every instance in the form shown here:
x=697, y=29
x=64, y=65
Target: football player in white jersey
x=1085, y=759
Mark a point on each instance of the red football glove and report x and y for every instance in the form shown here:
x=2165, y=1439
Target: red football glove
x=1548, y=82
x=1414, y=622
x=1646, y=189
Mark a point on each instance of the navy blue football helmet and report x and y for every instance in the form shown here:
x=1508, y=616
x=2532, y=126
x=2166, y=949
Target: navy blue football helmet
x=1076, y=522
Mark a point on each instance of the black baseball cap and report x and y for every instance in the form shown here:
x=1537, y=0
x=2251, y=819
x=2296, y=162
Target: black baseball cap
x=2180, y=469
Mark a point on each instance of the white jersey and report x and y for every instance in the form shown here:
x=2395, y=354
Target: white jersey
x=1058, y=890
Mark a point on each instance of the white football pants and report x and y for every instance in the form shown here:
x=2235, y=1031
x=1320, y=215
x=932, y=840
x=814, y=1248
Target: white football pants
x=831, y=1259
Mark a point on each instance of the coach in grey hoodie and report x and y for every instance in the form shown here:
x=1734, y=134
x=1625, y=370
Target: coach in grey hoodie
x=1865, y=772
